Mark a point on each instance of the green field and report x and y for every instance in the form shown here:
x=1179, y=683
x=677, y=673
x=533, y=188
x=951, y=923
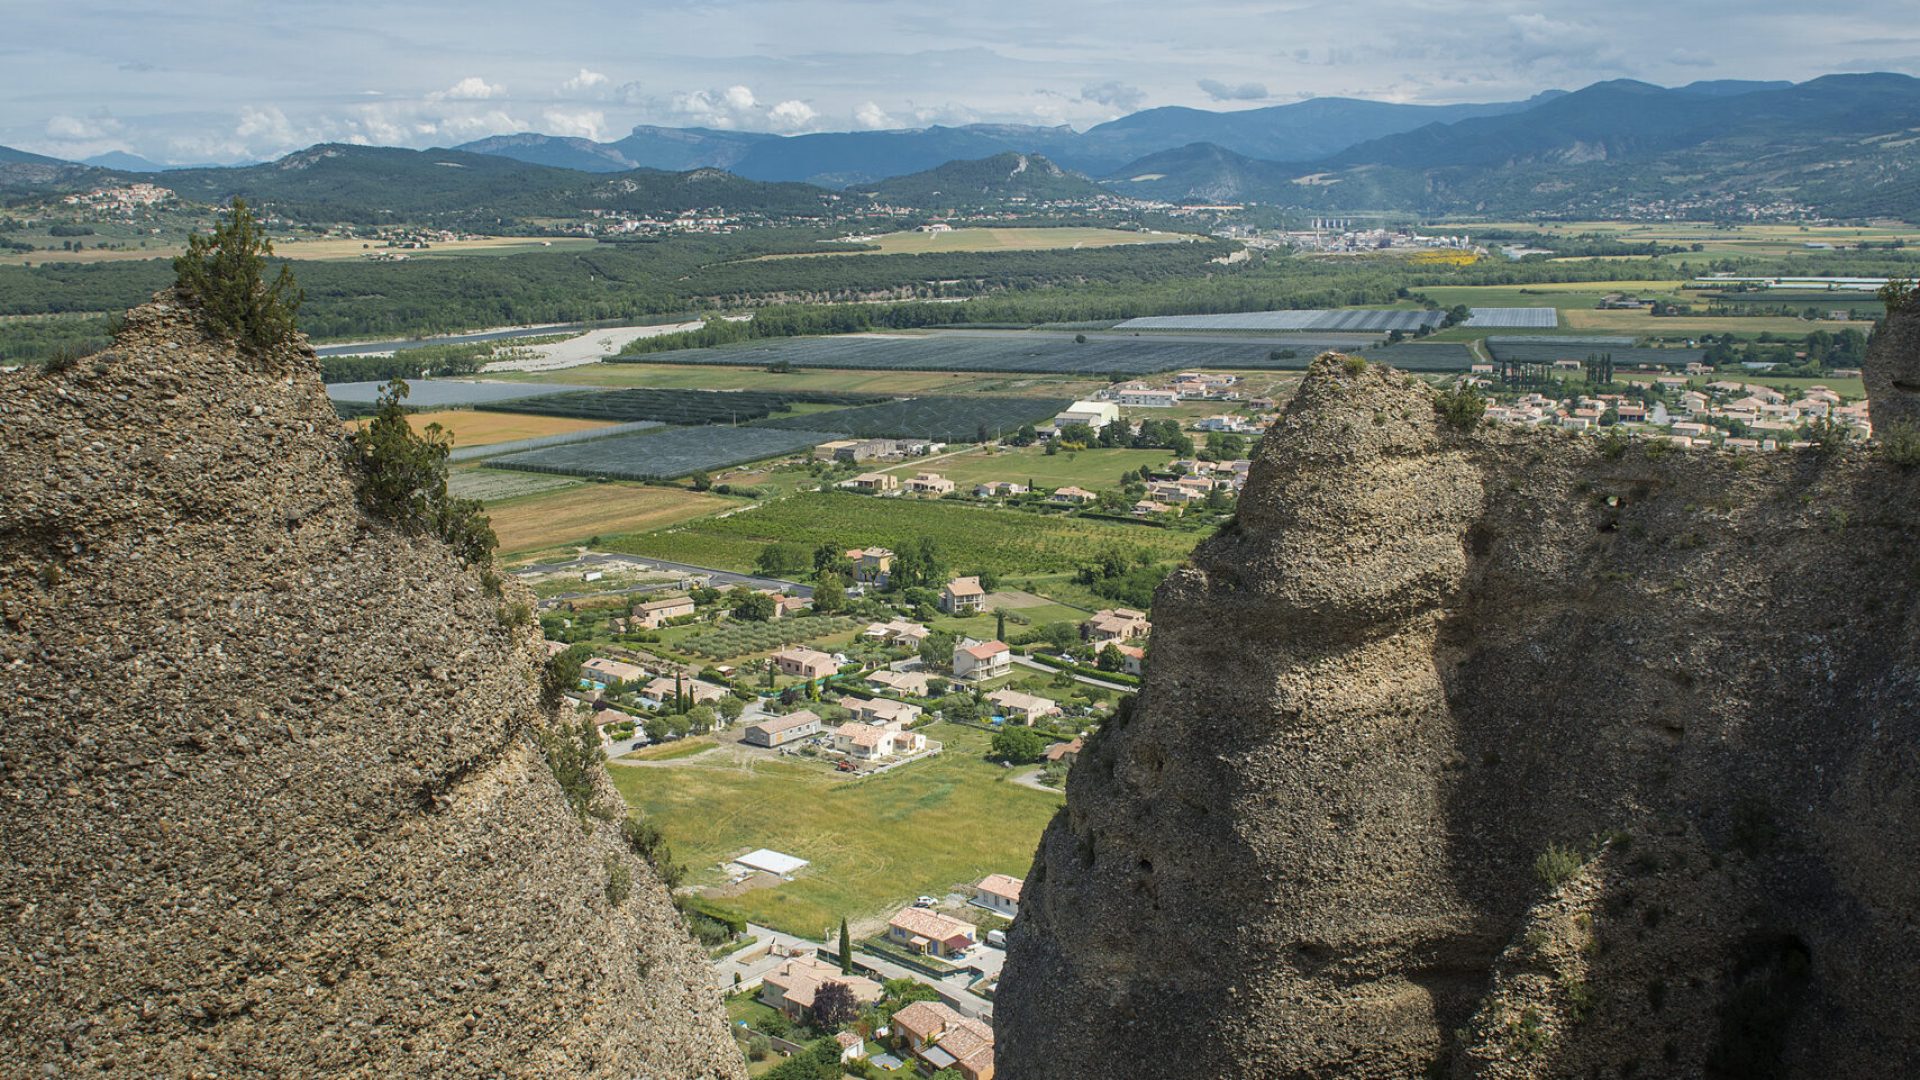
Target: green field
x=1010, y=541
x=1093, y=469
x=1040, y=239
x=875, y=844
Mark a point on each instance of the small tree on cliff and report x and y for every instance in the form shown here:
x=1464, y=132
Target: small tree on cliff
x=404, y=480
x=225, y=276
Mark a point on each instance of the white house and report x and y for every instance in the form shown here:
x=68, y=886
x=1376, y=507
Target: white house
x=999, y=894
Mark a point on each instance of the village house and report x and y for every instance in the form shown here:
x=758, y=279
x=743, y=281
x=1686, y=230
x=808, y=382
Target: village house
x=897, y=633
x=910, y=683
x=791, y=987
x=1133, y=659
x=963, y=596
x=555, y=648
x=931, y=933
x=1073, y=496
x=781, y=730
x=1148, y=507
x=873, y=483
x=871, y=742
x=653, y=614
x=1115, y=624
x=607, y=672
x=804, y=663
x=661, y=690
x=993, y=489
x=1065, y=751
x=609, y=717
x=999, y=894
x=979, y=660
x=943, y=1039
x=871, y=566
x=927, y=483
x=785, y=606
x=882, y=712
x=1024, y=707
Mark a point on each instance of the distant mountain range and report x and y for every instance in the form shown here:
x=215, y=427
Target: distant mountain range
x=1298, y=131
x=1846, y=144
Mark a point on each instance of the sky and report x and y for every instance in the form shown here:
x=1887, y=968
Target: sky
x=232, y=80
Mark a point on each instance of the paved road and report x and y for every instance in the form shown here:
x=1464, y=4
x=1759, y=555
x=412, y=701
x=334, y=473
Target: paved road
x=721, y=579
x=1088, y=679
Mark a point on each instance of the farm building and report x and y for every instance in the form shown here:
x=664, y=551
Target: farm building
x=1094, y=414
x=873, y=483
x=781, y=730
x=770, y=862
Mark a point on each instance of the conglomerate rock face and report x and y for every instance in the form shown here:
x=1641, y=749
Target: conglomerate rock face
x=269, y=787
x=1425, y=658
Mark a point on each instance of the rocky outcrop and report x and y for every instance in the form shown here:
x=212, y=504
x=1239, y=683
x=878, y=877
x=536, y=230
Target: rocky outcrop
x=1500, y=753
x=269, y=783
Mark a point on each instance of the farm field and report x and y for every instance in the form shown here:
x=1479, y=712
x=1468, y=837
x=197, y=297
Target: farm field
x=667, y=455
x=1036, y=239
x=679, y=406
x=946, y=419
x=471, y=428
x=1716, y=239
x=1623, y=356
x=1022, y=351
x=874, y=844
x=1010, y=541
x=1422, y=356
x=748, y=638
x=1641, y=322
x=495, y=485
x=714, y=377
x=580, y=511
x=348, y=248
x=1093, y=469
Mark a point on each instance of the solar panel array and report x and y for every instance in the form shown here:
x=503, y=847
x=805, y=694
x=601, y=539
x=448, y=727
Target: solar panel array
x=1026, y=353
x=1514, y=318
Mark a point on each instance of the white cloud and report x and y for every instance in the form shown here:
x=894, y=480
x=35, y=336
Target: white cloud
x=738, y=98
x=585, y=81
x=471, y=88
x=1219, y=91
x=265, y=127
x=1114, y=93
x=580, y=123
x=792, y=115
x=76, y=129
x=870, y=116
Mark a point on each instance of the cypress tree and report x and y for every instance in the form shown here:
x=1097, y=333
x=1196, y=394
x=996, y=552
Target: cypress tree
x=846, y=949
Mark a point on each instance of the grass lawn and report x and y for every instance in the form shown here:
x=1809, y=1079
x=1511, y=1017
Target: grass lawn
x=1094, y=469
x=470, y=428
x=1035, y=239
x=1012, y=542
x=577, y=513
x=875, y=844
x=679, y=748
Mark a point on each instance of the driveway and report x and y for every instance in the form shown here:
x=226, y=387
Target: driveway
x=1089, y=680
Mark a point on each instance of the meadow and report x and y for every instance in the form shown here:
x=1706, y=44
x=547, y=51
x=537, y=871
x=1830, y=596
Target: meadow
x=1094, y=469
x=969, y=536
x=581, y=511
x=1041, y=239
x=874, y=843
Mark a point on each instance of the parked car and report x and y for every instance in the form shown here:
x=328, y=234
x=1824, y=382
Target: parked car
x=925, y=901
x=997, y=938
